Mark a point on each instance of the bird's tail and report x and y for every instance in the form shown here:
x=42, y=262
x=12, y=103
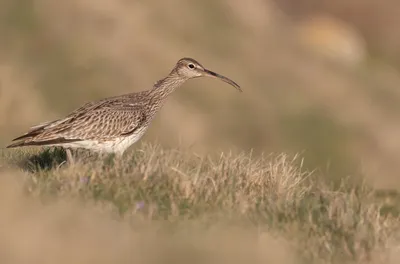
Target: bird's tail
x=18, y=144
x=27, y=139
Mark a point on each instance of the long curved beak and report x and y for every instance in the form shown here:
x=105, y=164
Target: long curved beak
x=222, y=78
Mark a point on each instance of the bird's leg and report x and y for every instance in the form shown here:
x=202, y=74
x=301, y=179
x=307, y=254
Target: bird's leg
x=70, y=158
x=119, y=154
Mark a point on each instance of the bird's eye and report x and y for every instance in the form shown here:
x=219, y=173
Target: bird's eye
x=191, y=66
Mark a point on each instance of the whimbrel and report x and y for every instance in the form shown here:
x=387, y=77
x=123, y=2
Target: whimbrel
x=113, y=124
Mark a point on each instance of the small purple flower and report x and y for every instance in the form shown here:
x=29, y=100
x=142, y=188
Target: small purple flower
x=84, y=180
x=140, y=205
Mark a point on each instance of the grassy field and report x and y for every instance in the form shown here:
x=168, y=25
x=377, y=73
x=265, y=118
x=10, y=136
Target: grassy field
x=172, y=206
x=320, y=78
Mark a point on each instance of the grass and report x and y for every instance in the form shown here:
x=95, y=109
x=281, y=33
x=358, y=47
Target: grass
x=211, y=209
x=170, y=205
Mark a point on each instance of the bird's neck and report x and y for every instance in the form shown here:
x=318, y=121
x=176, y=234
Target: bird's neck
x=167, y=85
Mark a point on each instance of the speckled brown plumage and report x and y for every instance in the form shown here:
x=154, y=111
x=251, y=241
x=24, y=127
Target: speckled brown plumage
x=113, y=124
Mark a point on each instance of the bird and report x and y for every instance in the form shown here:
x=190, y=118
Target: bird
x=113, y=124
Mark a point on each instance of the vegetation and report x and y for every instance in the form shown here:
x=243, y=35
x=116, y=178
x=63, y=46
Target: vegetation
x=320, y=78
x=236, y=207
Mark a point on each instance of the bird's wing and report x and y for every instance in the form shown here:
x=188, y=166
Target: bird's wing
x=49, y=125
x=104, y=121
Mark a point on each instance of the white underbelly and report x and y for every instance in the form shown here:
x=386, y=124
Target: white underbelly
x=118, y=145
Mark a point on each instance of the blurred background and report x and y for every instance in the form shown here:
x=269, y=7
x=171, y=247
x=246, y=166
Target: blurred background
x=320, y=78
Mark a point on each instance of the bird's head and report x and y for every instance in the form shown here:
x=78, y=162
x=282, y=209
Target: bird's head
x=190, y=68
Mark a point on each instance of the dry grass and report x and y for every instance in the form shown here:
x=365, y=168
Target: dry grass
x=160, y=205
x=157, y=205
